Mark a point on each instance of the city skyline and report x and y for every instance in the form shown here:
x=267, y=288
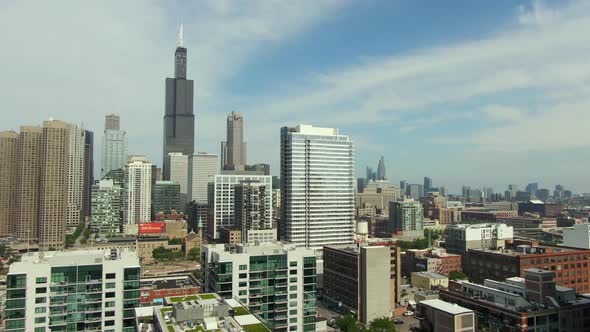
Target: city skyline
x=501, y=116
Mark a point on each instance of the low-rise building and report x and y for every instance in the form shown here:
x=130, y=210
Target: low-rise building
x=429, y=280
x=529, y=222
x=578, y=236
x=230, y=235
x=532, y=303
x=204, y=312
x=540, y=208
x=462, y=237
x=155, y=289
x=440, y=316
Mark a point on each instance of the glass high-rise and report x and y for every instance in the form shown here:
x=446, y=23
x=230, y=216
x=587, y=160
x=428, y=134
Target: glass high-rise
x=318, y=186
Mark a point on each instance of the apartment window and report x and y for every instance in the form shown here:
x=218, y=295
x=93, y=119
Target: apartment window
x=40, y=300
x=39, y=320
x=109, y=314
x=41, y=280
x=40, y=310
x=110, y=295
x=243, y=267
x=110, y=285
x=111, y=275
x=293, y=288
x=41, y=290
x=110, y=304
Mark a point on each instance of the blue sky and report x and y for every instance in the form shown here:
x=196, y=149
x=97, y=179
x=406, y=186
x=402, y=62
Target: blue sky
x=483, y=93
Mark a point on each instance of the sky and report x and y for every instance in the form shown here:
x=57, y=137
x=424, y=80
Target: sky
x=481, y=93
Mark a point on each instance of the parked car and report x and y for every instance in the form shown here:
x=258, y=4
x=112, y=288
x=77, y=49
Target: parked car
x=397, y=321
x=408, y=313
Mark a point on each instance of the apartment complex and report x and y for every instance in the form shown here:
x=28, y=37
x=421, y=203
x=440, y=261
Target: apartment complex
x=76, y=144
x=407, y=218
x=138, y=190
x=277, y=282
x=107, y=207
x=8, y=181
x=253, y=212
x=221, y=197
x=166, y=196
x=202, y=167
x=318, y=186
x=88, y=290
x=462, y=237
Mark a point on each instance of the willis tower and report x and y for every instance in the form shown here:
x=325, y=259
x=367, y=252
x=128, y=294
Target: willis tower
x=179, y=119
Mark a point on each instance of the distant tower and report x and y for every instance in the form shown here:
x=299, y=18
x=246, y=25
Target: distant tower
x=234, y=149
x=138, y=190
x=179, y=118
x=114, y=146
x=381, y=169
x=9, y=141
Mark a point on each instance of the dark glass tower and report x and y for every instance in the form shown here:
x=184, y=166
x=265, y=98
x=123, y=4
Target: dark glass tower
x=179, y=119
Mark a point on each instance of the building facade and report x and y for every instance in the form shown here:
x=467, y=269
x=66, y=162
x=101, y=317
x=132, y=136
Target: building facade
x=253, y=211
x=578, y=236
x=138, y=190
x=221, y=197
x=179, y=173
x=88, y=290
x=462, y=237
x=114, y=146
x=54, y=185
x=88, y=180
x=317, y=186
x=276, y=282
x=407, y=218
x=234, y=149
x=165, y=197
x=107, y=207
x=202, y=167
x=440, y=316
x=76, y=142
x=179, y=118
x=8, y=181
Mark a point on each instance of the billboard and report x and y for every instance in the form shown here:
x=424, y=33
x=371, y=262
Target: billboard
x=152, y=227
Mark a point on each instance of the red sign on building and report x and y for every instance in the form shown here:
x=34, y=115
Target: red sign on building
x=152, y=227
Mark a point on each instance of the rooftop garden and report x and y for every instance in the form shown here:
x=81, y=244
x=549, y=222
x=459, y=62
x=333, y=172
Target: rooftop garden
x=256, y=328
x=207, y=296
x=183, y=298
x=239, y=311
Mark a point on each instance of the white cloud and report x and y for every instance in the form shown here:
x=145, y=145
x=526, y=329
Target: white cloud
x=501, y=113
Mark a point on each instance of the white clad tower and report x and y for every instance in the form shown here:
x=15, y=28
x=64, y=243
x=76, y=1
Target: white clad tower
x=138, y=190
x=317, y=183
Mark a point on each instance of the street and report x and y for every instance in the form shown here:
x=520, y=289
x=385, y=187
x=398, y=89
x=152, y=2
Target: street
x=408, y=323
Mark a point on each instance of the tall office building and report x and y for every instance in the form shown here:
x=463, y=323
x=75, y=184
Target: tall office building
x=8, y=181
x=253, y=212
x=29, y=182
x=318, y=186
x=114, y=146
x=202, y=167
x=53, y=188
x=86, y=290
x=221, y=198
x=76, y=142
x=414, y=191
x=165, y=197
x=407, y=217
x=233, y=150
x=370, y=174
x=179, y=174
x=276, y=282
x=88, y=172
x=179, y=119
x=427, y=184
x=138, y=190
x=381, y=169
x=107, y=207
x=532, y=188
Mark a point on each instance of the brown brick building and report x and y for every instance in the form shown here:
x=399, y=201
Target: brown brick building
x=569, y=264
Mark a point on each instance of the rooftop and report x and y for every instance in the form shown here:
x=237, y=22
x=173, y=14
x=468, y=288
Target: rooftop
x=451, y=308
x=168, y=282
x=76, y=257
x=431, y=275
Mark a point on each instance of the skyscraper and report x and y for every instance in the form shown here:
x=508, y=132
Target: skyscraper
x=381, y=169
x=138, y=190
x=202, y=167
x=88, y=172
x=318, y=185
x=234, y=149
x=165, y=197
x=29, y=182
x=179, y=119
x=8, y=181
x=253, y=212
x=53, y=189
x=76, y=141
x=179, y=174
x=427, y=184
x=114, y=146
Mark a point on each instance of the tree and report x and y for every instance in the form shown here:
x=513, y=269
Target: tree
x=194, y=254
x=382, y=324
x=175, y=241
x=454, y=275
x=347, y=324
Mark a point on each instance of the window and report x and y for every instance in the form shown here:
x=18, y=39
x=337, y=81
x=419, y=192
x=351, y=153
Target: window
x=40, y=310
x=40, y=300
x=110, y=285
x=41, y=290
x=292, y=296
x=39, y=320
x=39, y=329
x=111, y=275
x=110, y=304
x=293, y=279
x=109, y=323
x=293, y=263
x=293, y=312
x=243, y=267
x=293, y=288
x=110, y=295
x=41, y=280
x=109, y=314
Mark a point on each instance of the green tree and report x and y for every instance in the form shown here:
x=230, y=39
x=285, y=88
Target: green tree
x=454, y=275
x=194, y=254
x=348, y=324
x=382, y=324
x=175, y=241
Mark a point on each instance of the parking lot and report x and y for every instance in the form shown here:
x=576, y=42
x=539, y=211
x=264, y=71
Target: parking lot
x=409, y=322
